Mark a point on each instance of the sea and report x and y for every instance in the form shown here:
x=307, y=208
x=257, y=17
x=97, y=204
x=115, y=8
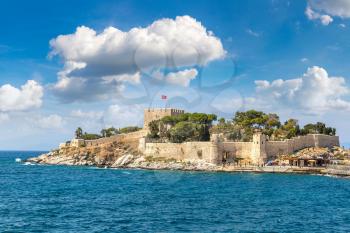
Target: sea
x=43, y=198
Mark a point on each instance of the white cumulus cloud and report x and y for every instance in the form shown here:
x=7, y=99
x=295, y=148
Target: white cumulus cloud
x=97, y=115
x=27, y=97
x=315, y=92
x=52, y=121
x=123, y=115
x=312, y=15
x=180, y=78
x=97, y=62
x=324, y=10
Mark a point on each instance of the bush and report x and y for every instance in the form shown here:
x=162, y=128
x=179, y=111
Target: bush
x=129, y=129
x=90, y=136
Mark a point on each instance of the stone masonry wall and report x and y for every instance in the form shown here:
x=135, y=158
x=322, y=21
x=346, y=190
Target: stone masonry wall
x=241, y=150
x=179, y=151
x=158, y=113
x=215, y=152
x=275, y=148
x=126, y=138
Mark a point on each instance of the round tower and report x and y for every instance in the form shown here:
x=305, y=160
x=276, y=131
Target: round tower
x=259, y=155
x=215, y=149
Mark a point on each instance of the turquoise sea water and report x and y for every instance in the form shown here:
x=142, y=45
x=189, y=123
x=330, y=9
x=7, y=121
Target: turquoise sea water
x=81, y=199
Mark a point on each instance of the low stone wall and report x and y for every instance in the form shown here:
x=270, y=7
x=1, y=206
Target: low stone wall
x=126, y=138
x=275, y=148
x=339, y=170
x=326, y=141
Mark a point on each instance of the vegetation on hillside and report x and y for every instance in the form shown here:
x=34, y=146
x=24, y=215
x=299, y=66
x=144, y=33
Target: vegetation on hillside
x=108, y=132
x=243, y=125
x=183, y=127
x=198, y=126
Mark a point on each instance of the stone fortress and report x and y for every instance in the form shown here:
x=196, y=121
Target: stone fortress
x=158, y=113
x=216, y=151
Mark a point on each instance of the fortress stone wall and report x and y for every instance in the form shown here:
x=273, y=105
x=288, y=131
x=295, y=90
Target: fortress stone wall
x=159, y=113
x=133, y=137
x=217, y=150
x=275, y=148
x=181, y=151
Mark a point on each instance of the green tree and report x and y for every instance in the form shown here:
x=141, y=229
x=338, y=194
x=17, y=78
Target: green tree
x=129, y=129
x=291, y=128
x=273, y=121
x=153, y=127
x=109, y=132
x=202, y=118
x=78, y=133
x=182, y=131
x=250, y=119
x=334, y=131
x=89, y=136
x=104, y=133
x=222, y=121
x=321, y=128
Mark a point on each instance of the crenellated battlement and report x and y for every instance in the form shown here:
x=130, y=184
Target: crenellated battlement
x=152, y=114
x=160, y=110
x=218, y=151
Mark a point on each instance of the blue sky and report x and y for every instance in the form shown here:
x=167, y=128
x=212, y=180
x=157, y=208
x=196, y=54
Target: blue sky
x=300, y=49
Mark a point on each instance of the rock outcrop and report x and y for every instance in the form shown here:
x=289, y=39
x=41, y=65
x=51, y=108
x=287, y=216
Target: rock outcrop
x=123, y=155
x=335, y=153
x=115, y=155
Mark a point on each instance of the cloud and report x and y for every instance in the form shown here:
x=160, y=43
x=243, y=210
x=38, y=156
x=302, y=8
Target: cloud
x=133, y=79
x=123, y=115
x=117, y=115
x=97, y=115
x=91, y=59
x=315, y=92
x=53, y=121
x=252, y=33
x=227, y=102
x=312, y=15
x=181, y=78
x=27, y=97
x=4, y=117
x=325, y=9
x=304, y=60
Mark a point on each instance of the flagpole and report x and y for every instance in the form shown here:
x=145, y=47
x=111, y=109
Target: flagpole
x=164, y=97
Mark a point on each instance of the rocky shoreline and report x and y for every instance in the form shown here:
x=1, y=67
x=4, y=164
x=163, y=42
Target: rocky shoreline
x=125, y=161
x=121, y=156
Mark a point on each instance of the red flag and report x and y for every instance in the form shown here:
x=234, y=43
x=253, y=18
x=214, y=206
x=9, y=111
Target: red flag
x=164, y=97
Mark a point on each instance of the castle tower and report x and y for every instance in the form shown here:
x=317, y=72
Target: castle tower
x=215, y=150
x=152, y=114
x=259, y=155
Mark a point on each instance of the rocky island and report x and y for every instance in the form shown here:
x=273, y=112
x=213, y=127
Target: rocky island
x=172, y=139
